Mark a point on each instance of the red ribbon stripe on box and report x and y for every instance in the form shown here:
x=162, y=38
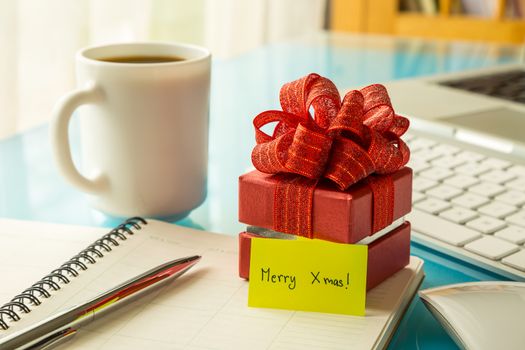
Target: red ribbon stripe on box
x=317, y=135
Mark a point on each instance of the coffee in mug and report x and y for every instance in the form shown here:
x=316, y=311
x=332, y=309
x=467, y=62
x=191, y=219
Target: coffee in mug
x=142, y=59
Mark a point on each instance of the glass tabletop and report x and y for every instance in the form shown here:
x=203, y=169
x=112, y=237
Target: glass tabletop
x=243, y=86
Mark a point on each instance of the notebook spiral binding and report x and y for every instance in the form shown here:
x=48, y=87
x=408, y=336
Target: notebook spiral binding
x=67, y=271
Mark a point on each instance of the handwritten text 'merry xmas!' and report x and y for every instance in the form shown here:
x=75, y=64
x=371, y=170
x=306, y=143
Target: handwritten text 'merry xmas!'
x=291, y=280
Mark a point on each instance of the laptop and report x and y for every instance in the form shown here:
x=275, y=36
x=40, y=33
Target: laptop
x=467, y=138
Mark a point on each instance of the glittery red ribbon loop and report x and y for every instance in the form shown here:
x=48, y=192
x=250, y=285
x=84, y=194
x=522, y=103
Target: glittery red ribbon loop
x=378, y=111
x=349, y=163
x=308, y=152
x=342, y=141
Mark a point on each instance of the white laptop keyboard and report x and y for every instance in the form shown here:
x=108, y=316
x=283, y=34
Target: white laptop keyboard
x=469, y=205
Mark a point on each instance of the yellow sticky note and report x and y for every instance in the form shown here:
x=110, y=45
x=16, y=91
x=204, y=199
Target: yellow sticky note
x=308, y=275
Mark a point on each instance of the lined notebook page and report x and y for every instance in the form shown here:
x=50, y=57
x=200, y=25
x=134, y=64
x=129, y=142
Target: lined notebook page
x=204, y=309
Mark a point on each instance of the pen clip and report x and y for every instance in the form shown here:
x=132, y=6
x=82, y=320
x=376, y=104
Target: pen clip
x=54, y=339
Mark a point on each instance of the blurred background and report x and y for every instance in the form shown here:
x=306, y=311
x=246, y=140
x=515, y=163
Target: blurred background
x=38, y=39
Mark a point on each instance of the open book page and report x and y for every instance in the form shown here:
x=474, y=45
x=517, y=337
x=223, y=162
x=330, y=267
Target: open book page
x=207, y=307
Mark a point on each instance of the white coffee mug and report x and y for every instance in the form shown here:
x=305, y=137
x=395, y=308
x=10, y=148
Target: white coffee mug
x=144, y=129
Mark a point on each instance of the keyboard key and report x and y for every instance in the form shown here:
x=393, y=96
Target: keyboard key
x=436, y=174
x=447, y=162
x=432, y=205
x=518, y=170
x=512, y=197
x=497, y=209
x=470, y=156
x=497, y=176
x=421, y=143
x=446, y=149
x=486, y=224
x=444, y=192
x=472, y=169
x=441, y=229
x=492, y=247
x=516, y=260
x=461, y=181
x=516, y=184
x=421, y=184
x=517, y=218
x=470, y=200
x=459, y=215
x=496, y=163
x=418, y=165
x=417, y=196
x=425, y=155
x=513, y=234
x=487, y=189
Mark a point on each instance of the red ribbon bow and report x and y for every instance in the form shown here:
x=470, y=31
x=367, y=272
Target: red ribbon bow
x=343, y=141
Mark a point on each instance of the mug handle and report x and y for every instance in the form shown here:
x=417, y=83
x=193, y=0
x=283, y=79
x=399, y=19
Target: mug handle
x=91, y=94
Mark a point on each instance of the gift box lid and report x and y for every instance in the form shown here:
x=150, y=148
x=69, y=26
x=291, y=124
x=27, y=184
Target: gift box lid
x=338, y=216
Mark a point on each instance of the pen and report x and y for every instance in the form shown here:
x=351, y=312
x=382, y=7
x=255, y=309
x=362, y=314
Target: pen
x=62, y=326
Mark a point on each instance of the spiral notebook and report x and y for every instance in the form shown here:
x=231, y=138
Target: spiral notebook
x=204, y=309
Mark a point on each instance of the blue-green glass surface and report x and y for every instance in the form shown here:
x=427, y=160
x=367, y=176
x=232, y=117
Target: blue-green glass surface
x=243, y=86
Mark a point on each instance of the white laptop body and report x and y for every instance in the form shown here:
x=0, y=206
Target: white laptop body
x=485, y=121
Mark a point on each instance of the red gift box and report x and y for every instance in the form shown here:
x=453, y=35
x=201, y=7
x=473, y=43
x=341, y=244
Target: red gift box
x=336, y=174
x=338, y=216
x=386, y=255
